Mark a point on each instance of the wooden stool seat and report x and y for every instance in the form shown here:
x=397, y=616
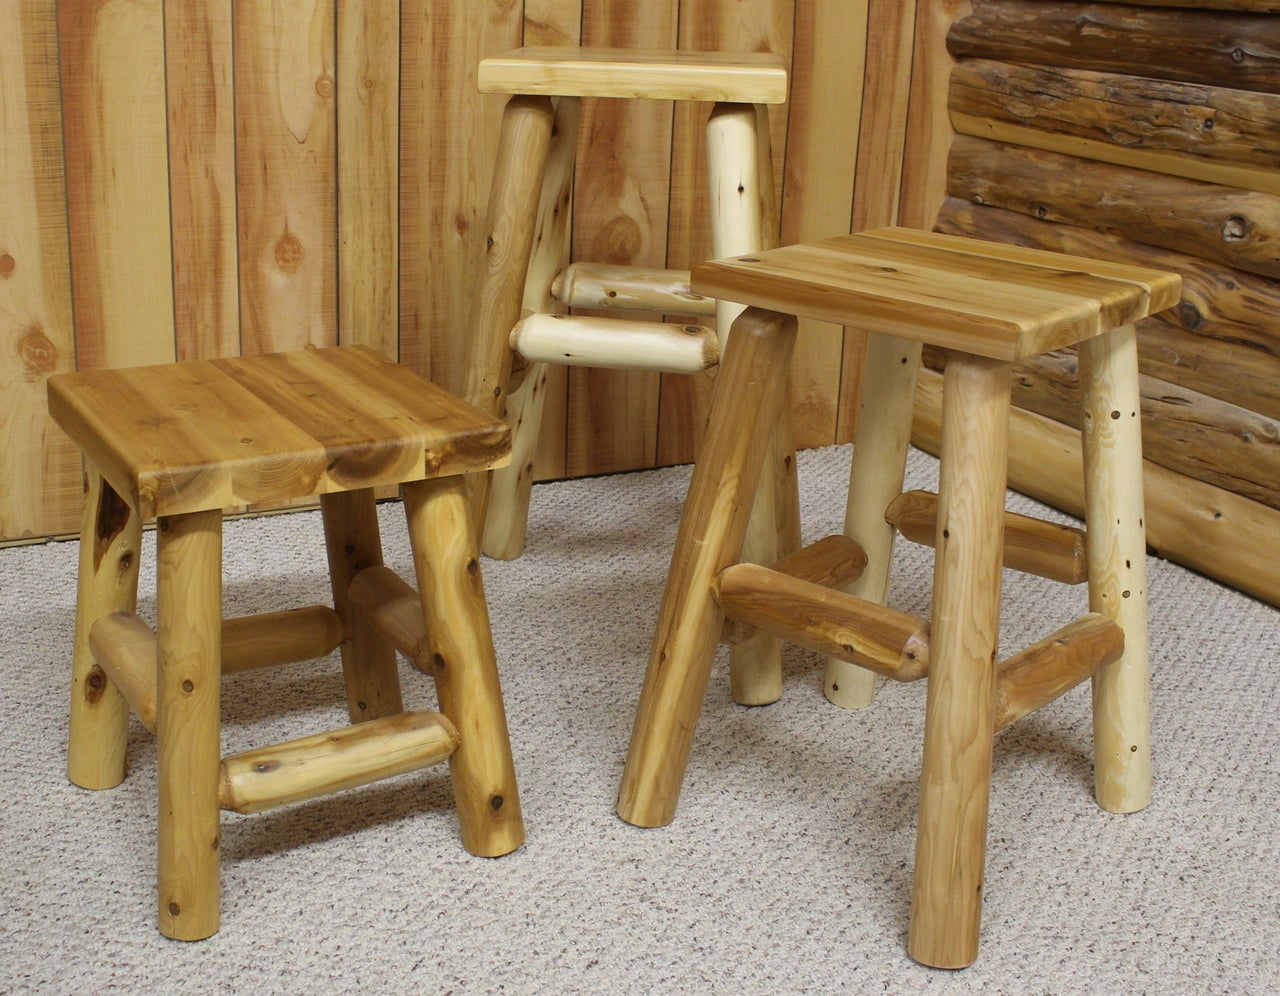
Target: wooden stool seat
x=985, y=306
x=980, y=298
x=182, y=442
x=752, y=78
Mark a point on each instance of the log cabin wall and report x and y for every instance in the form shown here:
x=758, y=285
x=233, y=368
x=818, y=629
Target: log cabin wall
x=1147, y=132
x=188, y=180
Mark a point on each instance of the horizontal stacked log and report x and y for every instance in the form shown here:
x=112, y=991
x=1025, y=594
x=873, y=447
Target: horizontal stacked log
x=1147, y=134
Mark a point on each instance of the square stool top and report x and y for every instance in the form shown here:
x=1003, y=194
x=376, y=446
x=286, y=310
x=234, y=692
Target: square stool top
x=983, y=298
x=205, y=434
x=745, y=78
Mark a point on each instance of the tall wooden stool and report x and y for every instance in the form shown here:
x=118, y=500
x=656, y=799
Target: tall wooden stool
x=520, y=325
x=987, y=306
x=184, y=441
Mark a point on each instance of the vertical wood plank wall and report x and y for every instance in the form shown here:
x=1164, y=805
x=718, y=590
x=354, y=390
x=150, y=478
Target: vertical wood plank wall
x=237, y=176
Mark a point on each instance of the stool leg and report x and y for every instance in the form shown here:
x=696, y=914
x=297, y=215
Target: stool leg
x=1117, y=552
x=510, y=486
x=738, y=199
x=110, y=537
x=748, y=396
x=446, y=560
x=523, y=146
x=955, y=779
x=369, y=663
x=189, y=636
x=881, y=439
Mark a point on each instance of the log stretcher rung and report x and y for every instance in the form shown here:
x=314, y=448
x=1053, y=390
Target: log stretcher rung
x=615, y=343
x=1055, y=665
x=883, y=640
x=316, y=765
x=394, y=609
x=1031, y=545
x=833, y=562
x=125, y=648
x=602, y=286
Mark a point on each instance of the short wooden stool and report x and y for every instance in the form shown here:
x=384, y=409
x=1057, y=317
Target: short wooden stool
x=987, y=306
x=520, y=322
x=184, y=441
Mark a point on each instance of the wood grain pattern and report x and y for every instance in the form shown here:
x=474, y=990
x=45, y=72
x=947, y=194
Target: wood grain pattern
x=202, y=178
x=1221, y=338
x=1237, y=51
x=285, y=135
x=222, y=433
x=1028, y=302
x=448, y=139
x=40, y=488
x=368, y=106
x=1185, y=129
x=114, y=117
x=1240, y=228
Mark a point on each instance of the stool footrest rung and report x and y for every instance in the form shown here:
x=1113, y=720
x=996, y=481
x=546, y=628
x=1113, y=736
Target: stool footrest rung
x=125, y=648
x=316, y=765
x=1055, y=665
x=394, y=609
x=606, y=286
x=615, y=343
x=883, y=640
x=833, y=562
x=1031, y=545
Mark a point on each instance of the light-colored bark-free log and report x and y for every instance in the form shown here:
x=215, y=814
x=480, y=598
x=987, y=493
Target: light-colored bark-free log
x=125, y=648
x=1238, y=51
x=955, y=777
x=883, y=640
x=352, y=543
x=1221, y=338
x=107, y=581
x=657, y=75
x=262, y=779
x=875, y=479
x=1055, y=665
x=604, y=286
x=1199, y=132
x=736, y=199
x=526, y=411
x=1215, y=532
x=273, y=638
x=832, y=561
x=512, y=214
x=189, y=627
x=1034, y=546
x=392, y=605
x=615, y=344
x=446, y=558
x=1231, y=225
x=1115, y=515
x=749, y=393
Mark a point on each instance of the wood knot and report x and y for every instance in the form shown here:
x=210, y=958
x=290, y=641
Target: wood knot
x=324, y=86
x=7, y=265
x=289, y=253
x=620, y=241
x=38, y=353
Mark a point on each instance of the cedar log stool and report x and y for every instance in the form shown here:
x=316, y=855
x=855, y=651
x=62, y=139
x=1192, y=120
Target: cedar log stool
x=180, y=443
x=988, y=306
x=521, y=323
